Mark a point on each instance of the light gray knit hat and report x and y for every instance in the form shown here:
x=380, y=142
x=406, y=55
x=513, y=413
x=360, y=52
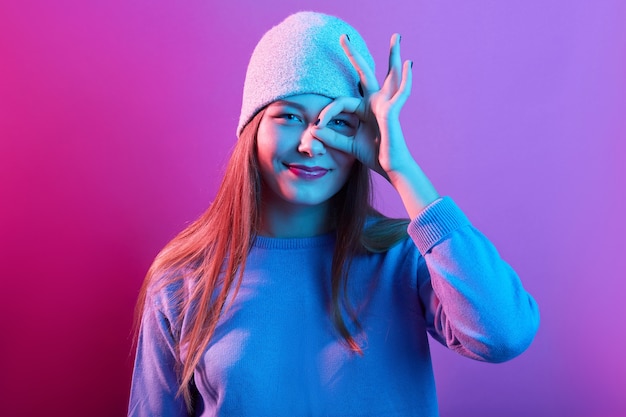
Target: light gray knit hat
x=301, y=55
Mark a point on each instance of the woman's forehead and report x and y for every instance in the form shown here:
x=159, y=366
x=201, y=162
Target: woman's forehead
x=303, y=101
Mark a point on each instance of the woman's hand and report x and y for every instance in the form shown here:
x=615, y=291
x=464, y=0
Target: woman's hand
x=378, y=142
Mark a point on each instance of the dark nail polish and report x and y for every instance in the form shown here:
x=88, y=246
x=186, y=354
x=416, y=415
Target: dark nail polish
x=316, y=122
x=360, y=89
x=411, y=64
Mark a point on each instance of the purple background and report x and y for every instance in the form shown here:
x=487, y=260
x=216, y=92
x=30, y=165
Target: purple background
x=116, y=118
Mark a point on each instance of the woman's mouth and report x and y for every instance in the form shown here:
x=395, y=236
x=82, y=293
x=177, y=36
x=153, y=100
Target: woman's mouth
x=307, y=172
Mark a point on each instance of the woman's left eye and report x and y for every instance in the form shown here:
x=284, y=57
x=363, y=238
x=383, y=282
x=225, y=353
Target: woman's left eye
x=339, y=123
x=343, y=126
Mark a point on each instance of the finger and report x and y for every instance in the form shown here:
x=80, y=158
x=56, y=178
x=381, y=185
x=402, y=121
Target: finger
x=394, y=74
x=395, y=62
x=366, y=73
x=404, y=91
x=334, y=139
x=338, y=105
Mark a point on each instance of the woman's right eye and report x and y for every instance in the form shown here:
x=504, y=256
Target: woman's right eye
x=290, y=117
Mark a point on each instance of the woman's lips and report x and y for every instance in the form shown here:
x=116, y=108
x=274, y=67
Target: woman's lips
x=306, y=172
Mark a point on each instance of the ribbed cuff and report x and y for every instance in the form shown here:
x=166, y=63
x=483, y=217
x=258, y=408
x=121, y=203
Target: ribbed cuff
x=435, y=222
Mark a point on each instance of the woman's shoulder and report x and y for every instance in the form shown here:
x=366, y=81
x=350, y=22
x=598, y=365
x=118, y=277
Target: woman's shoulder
x=381, y=233
x=167, y=290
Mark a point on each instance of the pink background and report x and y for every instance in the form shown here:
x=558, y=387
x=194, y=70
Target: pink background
x=116, y=118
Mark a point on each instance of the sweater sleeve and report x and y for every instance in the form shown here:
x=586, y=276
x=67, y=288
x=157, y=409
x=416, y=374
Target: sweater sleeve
x=155, y=383
x=475, y=303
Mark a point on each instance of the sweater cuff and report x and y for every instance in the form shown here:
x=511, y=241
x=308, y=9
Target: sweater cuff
x=435, y=222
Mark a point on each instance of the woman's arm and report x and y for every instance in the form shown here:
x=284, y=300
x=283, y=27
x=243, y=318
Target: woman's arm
x=155, y=383
x=475, y=302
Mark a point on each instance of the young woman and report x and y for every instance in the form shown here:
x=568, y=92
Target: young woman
x=291, y=295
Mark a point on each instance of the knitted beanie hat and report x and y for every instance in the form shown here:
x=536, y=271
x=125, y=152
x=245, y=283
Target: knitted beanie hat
x=301, y=55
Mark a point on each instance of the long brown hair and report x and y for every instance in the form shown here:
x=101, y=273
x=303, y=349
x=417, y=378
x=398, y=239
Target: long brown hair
x=210, y=254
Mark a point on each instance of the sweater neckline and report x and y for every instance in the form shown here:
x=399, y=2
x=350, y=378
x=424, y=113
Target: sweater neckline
x=266, y=242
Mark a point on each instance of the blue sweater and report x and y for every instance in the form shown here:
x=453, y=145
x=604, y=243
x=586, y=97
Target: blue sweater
x=276, y=352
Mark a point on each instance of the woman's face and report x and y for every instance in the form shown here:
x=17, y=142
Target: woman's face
x=296, y=168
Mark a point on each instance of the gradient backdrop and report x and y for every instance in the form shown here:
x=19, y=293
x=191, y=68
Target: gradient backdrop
x=116, y=118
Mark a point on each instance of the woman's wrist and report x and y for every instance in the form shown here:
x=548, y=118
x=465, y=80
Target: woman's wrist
x=414, y=187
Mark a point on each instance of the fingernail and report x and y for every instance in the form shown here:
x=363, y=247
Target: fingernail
x=316, y=122
x=411, y=64
x=360, y=89
x=348, y=37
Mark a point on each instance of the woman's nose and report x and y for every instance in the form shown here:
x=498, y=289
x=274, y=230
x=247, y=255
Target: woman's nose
x=311, y=146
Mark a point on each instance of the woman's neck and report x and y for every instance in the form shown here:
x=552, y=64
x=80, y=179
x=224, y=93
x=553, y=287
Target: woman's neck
x=289, y=221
